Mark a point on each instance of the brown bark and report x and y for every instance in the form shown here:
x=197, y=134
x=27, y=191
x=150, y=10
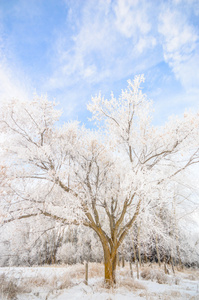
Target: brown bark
x=109, y=271
x=86, y=273
x=131, y=269
x=118, y=260
x=145, y=257
x=123, y=261
x=137, y=266
x=114, y=266
x=110, y=259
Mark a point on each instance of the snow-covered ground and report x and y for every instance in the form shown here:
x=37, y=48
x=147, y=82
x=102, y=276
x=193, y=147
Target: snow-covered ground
x=67, y=283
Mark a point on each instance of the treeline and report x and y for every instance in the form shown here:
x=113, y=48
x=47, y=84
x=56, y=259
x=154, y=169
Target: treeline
x=72, y=244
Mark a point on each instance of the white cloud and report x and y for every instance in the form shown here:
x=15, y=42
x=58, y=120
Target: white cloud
x=132, y=18
x=179, y=40
x=180, y=37
x=90, y=43
x=107, y=36
x=194, y=4
x=188, y=73
x=144, y=43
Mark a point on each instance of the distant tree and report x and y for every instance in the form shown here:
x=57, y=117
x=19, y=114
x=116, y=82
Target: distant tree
x=101, y=179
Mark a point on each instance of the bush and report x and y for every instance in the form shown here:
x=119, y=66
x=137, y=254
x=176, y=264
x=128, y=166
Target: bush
x=155, y=275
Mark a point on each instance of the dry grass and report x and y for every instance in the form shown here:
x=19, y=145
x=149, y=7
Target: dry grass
x=191, y=277
x=176, y=294
x=190, y=271
x=61, y=282
x=123, y=271
x=9, y=289
x=95, y=270
x=125, y=283
x=190, y=274
x=38, y=281
x=131, y=284
x=76, y=273
x=65, y=282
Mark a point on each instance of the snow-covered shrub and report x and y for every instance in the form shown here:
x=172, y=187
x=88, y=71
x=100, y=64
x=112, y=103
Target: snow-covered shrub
x=66, y=253
x=155, y=275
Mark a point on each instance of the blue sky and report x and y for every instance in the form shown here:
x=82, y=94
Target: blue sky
x=72, y=49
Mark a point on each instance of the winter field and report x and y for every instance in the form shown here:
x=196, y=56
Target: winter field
x=68, y=283
x=97, y=165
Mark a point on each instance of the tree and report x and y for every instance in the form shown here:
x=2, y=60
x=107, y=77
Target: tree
x=102, y=179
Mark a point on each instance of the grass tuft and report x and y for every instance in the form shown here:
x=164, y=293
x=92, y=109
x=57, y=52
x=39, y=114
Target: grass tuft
x=9, y=289
x=131, y=284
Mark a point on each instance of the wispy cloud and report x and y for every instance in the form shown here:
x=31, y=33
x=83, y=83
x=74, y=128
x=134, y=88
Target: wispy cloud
x=180, y=45
x=79, y=58
x=99, y=47
x=131, y=19
x=109, y=37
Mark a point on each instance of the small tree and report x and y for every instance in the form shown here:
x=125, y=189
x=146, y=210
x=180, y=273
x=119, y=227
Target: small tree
x=103, y=179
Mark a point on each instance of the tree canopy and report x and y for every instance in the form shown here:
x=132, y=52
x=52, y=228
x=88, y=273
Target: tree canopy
x=105, y=178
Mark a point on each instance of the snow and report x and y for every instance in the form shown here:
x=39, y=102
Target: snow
x=184, y=285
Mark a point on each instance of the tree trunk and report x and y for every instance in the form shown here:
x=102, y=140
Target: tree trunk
x=131, y=269
x=134, y=251
x=110, y=258
x=123, y=261
x=157, y=250
x=118, y=260
x=138, y=246
x=137, y=266
x=172, y=264
x=86, y=273
x=179, y=258
x=145, y=257
x=110, y=270
x=114, y=266
x=108, y=273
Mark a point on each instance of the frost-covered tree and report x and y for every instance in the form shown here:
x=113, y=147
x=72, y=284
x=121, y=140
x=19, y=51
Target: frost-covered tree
x=103, y=179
